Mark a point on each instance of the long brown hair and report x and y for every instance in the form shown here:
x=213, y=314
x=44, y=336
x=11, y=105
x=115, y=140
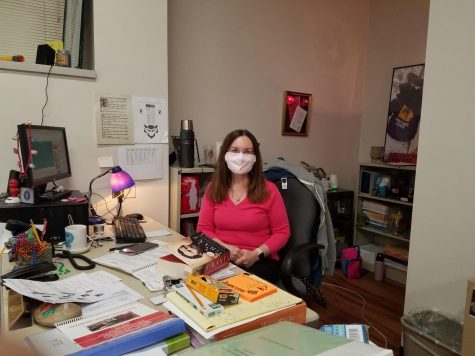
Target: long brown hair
x=222, y=176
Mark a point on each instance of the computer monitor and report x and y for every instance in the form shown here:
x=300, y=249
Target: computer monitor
x=51, y=159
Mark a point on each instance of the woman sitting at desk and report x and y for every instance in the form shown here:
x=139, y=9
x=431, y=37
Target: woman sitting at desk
x=243, y=211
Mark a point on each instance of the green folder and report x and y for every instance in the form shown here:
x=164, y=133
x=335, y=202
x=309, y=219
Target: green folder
x=281, y=339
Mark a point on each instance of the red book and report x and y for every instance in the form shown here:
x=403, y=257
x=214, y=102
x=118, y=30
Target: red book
x=296, y=313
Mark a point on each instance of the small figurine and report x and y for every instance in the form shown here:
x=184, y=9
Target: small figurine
x=13, y=191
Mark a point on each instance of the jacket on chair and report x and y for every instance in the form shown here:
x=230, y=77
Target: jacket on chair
x=325, y=235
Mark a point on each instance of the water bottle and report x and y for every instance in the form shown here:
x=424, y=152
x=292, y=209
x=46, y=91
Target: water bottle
x=325, y=185
x=379, y=267
x=187, y=142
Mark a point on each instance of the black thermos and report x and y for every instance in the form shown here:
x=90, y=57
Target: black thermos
x=187, y=144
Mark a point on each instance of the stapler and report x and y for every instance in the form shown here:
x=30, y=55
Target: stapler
x=33, y=272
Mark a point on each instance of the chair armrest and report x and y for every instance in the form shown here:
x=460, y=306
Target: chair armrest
x=288, y=265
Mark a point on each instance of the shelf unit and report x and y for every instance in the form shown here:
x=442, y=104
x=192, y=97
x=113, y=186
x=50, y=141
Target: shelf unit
x=340, y=204
x=176, y=173
x=372, y=239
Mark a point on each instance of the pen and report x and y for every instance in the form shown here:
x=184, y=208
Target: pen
x=196, y=297
x=3, y=249
x=35, y=232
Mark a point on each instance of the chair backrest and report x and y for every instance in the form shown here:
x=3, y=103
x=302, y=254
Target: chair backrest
x=303, y=212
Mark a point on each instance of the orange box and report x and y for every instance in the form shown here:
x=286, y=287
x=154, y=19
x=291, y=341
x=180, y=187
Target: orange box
x=251, y=288
x=212, y=289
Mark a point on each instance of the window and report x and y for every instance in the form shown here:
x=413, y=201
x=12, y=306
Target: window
x=25, y=24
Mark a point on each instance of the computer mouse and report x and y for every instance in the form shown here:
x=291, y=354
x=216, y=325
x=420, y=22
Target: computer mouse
x=135, y=216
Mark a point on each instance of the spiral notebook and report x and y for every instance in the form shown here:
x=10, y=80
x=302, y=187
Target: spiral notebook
x=118, y=321
x=132, y=263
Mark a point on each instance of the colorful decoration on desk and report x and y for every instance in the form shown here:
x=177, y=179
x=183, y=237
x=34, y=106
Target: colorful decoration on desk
x=28, y=248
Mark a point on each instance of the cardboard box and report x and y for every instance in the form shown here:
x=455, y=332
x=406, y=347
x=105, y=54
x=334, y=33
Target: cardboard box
x=468, y=339
x=212, y=289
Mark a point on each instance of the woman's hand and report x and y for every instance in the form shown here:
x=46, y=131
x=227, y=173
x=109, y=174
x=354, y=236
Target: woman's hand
x=247, y=258
x=236, y=253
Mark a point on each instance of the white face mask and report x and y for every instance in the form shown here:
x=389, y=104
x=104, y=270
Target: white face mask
x=240, y=163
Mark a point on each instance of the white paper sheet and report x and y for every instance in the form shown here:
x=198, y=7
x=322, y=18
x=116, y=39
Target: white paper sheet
x=113, y=119
x=81, y=288
x=157, y=233
x=298, y=119
x=150, y=120
x=142, y=161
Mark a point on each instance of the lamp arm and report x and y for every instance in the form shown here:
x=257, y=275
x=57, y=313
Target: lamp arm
x=92, y=181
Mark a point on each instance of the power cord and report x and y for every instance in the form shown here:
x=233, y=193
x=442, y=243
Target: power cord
x=362, y=310
x=46, y=92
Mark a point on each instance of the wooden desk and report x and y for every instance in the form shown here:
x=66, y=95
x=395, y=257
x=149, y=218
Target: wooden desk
x=129, y=280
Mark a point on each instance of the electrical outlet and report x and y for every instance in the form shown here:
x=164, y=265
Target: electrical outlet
x=105, y=162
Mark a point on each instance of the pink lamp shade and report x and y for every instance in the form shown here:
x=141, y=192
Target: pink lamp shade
x=120, y=180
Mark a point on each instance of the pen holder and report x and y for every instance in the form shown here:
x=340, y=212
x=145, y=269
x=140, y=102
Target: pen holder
x=30, y=250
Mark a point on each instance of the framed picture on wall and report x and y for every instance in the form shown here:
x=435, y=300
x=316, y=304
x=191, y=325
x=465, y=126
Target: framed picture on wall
x=404, y=114
x=295, y=121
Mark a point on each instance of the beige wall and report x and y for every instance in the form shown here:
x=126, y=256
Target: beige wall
x=442, y=241
x=396, y=38
x=130, y=58
x=231, y=61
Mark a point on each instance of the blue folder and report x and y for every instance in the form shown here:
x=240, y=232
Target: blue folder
x=136, y=340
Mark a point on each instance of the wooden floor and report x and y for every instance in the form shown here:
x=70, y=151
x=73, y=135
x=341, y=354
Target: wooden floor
x=384, y=306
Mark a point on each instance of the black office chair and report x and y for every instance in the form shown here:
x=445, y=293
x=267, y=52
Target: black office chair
x=301, y=262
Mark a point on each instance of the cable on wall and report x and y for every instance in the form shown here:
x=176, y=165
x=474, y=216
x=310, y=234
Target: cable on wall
x=46, y=92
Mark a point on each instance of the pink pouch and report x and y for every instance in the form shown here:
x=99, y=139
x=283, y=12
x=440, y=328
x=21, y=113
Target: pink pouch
x=351, y=262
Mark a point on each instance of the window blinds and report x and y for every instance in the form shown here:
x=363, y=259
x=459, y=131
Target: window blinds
x=72, y=30
x=25, y=24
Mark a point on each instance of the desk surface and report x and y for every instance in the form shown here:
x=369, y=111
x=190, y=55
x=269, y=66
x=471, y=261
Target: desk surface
x=128, y=279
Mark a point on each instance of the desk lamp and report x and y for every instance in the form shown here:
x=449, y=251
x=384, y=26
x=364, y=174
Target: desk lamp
x=119, y=181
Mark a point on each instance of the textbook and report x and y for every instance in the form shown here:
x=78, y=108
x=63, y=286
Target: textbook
x=287, y=338
x=250, y=287
x=201, y=253
x=124, y=327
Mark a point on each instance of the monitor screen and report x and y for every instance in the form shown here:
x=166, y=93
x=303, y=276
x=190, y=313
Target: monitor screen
x=50, y=160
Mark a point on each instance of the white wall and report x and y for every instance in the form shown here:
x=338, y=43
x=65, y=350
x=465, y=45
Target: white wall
x=231, y=61
x=397, y=37
x=442, y=241
x=130, y=58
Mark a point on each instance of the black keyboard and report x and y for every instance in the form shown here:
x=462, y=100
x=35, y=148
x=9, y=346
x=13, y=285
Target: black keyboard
x=54, y=196
x=128, y=230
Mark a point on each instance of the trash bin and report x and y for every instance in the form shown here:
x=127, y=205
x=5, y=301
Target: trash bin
x=430, y=333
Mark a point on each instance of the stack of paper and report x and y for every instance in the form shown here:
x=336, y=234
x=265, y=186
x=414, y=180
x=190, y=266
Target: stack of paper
x=232, y=316
x=82, y=288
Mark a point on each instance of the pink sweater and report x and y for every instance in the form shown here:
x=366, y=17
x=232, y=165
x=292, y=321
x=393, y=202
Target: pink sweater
x=247, y=225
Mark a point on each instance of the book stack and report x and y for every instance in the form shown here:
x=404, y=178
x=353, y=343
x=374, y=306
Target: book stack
x=269, y=305
x=376, y=214
x=396, y=256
